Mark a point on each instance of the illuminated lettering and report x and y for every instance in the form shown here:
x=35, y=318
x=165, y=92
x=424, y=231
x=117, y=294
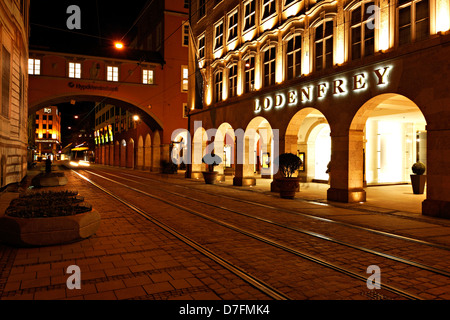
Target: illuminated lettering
x=268, y=103
x=280, y=100
x=306, y=93
x=337, y=86
x=359, y=81
x=381, y=76
x=321, y=90
x=257, y=106
x=292, y=98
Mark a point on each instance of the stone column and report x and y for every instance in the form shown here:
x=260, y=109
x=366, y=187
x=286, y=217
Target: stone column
x=437, y=203
x=347, y=161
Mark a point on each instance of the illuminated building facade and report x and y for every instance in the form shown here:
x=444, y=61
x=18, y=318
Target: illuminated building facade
x=48, y=133
x=362, y=85
x=14, y=86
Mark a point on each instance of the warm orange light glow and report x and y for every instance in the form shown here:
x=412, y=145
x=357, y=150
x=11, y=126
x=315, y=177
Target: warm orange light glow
x=136, y=118
x=118, y=45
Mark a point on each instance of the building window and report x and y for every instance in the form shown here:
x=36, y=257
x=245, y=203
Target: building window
x=268, y=8
x=184, y=78
x=112, y=73
x=185, y=34
x=147, y=76
x=294, y=57
x=185, y=110
x=232, y=81
x=201, y=8
x=233, y=26
x=249, y=14
x=324, y=45
x=6, y=81
x=186, y=4
x=201, y=47
x=362, y=31
x=269, y=66
x=218, y=86
x=74, y=70
x=218, y=35
x=250, y=74
x=34, y=66
x=413, y=20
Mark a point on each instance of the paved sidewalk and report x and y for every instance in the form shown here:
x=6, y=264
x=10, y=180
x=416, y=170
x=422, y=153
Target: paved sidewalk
x=128, y=258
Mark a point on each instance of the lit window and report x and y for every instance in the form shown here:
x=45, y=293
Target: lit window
x=112, y=73
x=184, y=78
x=74, y=70
x=185, y=110
x=362, y=31
x=249, y=14
x=34, y=66
x=218, y=35
x=201, y=47
x=268, y=8
x=233, y=26
x=232, y=80
x=294, y=57
x=250, y=74
x=218, y=86
x=269, y=66
x=413, y=20
x=324, y=45
x=147, y=76
x=185, y=34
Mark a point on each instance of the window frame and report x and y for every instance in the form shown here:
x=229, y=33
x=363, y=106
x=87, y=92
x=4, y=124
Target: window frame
x=235, y=26
x=184, y=78
x=218, y=39
x=218, y=86
x=114, y=75
x=412, y=21
x=272, y=66
x=296, y=73
x=323, y=41
x=146, y=78
x=74, y=70
x=232, y=80
x=249, y=74
x=362, y=24
x=249, y=17
x=34, y=70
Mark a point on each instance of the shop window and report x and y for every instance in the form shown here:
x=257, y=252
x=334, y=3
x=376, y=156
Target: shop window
x=232, y=80
x=218, y=86
x=269, y=66
x=250, y=74
x=413, y=21
x=294, y=57
x=362, y=31
x=323, y=45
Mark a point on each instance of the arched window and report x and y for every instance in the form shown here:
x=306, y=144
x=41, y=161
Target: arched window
x=323, y=45
x=294, y=57
x=218, y=86
x=269, y=66
x=362, y=30
x=413, y=20
x=249, y=74
x=232, y=80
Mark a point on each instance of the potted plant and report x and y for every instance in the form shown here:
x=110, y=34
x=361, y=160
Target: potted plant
x=418, y=179
x=288, y=164
x=211, y=160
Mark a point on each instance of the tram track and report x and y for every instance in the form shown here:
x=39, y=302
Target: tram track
x=294, y=251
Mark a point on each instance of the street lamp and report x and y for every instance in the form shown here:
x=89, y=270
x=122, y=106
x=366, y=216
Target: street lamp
x=118, y=45
x=136, y=117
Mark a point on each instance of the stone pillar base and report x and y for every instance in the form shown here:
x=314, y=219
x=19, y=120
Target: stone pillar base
x=347, y=196
x=436, y=208
x=221, y=177
x=244, y=182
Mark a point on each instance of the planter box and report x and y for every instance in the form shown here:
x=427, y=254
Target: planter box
x=210, y=177
x=418, y=183
x=288, y=187
x=48, y=231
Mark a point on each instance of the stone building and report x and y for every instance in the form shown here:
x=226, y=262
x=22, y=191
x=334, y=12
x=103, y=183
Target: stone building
x=14, y=86
x=363, y=84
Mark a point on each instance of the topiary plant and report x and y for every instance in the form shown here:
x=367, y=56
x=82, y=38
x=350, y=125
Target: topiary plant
x=418, y=168
x=211, y=160
x=288, y=164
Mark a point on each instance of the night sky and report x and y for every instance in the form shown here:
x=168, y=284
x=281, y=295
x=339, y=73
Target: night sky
x=102, y=21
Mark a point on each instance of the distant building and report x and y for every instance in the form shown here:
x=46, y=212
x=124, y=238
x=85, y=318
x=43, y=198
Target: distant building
x=13, y=93
x=48, y=133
